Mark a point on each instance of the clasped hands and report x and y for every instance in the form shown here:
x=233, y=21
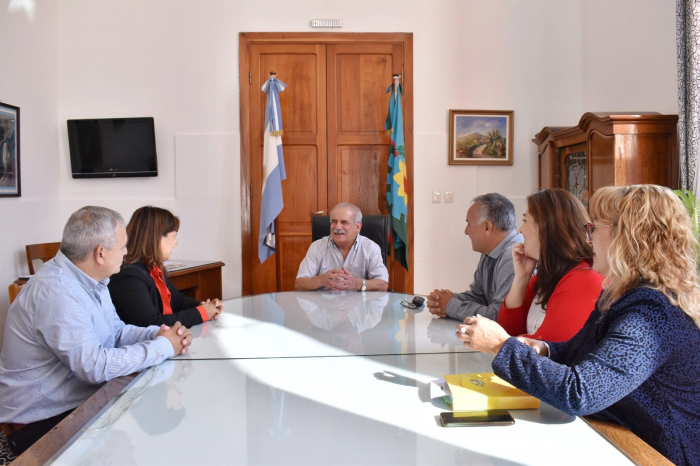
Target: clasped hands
x=178, y=335
x=437, y=302
x=213, y=308
x=341, y=280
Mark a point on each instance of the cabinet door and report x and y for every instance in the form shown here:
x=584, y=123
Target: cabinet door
x=574, y=165
x=602, y=157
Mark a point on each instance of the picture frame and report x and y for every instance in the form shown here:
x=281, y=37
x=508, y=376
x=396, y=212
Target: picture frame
x=481, y=137
x=10, y=178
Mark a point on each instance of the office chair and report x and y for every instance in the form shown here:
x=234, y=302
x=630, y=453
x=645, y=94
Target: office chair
x=373, y=227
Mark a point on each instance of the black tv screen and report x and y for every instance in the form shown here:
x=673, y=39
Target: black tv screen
x=112, y=147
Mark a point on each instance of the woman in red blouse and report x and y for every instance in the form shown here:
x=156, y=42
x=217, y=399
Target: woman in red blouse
x=141, y=292
x=554, y=303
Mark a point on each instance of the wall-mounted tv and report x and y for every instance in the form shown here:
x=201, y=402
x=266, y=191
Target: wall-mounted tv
x=112, y=147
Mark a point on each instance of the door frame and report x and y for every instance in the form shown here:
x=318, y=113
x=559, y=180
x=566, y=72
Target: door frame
x=246, y=40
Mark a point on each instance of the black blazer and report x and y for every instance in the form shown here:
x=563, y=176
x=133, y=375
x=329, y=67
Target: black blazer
x=138, y=302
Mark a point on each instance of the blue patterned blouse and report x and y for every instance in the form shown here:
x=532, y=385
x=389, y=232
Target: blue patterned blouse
x=637, y=365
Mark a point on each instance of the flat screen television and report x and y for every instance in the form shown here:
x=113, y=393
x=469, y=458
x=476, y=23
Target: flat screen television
x=112, y=147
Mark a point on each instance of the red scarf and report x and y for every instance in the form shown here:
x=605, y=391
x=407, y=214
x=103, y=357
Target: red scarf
x=163, y=290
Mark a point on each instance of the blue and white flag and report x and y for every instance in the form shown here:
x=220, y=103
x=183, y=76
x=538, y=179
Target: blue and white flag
x=271, y=203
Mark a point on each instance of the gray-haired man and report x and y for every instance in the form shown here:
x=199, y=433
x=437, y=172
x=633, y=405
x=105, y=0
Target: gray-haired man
x=491, y=229
x=345, y=260
x=63, y=337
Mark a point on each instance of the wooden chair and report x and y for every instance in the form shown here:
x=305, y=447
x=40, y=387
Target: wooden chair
x=13, y=290
x=43, y=251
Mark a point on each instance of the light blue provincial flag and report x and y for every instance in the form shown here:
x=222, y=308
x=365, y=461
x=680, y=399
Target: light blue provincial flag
x=271, y=203
x=396, y=176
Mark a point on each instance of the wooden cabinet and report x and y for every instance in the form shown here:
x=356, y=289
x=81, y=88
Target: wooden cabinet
x=200, y=280
x=609, y=149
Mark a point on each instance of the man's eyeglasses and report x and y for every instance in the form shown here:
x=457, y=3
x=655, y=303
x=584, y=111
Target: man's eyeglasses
x=590, y=228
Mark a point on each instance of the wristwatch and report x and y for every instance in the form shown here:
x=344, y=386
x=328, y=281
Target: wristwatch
x=364, y=285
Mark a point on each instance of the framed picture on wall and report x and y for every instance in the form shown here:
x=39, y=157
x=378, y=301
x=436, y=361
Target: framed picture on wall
x=9, y=151
x=481, y=137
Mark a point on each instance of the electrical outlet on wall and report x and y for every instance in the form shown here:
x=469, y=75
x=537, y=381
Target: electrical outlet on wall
x=449, y=197
x=437, y=197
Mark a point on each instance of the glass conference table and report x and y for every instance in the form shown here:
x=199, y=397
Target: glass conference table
x=319, y=378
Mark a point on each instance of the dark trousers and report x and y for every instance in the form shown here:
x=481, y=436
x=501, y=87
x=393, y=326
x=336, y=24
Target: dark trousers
x=25, y=437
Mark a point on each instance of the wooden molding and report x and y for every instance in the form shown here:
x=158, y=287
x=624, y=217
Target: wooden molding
x=624, y=440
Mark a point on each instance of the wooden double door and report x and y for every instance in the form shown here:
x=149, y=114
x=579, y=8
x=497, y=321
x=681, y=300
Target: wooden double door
x=335, y=144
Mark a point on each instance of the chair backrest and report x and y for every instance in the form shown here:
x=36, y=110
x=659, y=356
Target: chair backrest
x=43, y=251
x=373, y=227
x=13, y=290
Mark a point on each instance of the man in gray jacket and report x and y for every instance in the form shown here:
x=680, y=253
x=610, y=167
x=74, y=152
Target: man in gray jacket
x=491, y=229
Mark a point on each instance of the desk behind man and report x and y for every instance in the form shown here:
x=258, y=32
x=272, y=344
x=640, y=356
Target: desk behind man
x=63, y=337
x=491, y=229
x=345, y=260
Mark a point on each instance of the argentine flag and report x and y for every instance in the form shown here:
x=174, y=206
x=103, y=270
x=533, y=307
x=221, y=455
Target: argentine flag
x=271, y=203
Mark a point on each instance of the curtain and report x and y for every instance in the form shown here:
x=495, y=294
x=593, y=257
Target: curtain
x=688, y=51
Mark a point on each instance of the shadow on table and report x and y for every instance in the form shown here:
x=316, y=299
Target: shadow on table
x=398, y=379
x=545, y=415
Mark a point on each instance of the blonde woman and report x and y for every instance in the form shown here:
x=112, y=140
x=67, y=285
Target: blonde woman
x=636, y=361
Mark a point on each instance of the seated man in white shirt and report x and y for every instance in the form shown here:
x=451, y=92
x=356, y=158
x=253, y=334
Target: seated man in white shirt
x=63, y=338
x=345, y=260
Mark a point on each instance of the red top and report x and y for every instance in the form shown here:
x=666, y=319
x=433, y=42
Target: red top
x=164, y=292
x=572, y=301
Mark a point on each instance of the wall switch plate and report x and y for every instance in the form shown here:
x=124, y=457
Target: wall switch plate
x=449, y=197
x=437, y=196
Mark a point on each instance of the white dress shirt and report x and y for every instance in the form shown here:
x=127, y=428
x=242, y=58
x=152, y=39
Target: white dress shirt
x=363, y=261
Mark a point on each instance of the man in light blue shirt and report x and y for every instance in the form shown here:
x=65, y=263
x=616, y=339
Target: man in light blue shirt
x=63, y=338
x=345, y=260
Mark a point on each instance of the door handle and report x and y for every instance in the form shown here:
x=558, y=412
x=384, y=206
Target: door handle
x=318, y=212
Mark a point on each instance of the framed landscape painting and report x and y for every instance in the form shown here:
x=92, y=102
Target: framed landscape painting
x=481, y=137
x=9, y=151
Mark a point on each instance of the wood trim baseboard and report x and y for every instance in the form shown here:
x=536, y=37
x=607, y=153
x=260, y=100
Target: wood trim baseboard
x=628, y=443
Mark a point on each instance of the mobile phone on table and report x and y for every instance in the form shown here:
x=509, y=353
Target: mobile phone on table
x=494, y=417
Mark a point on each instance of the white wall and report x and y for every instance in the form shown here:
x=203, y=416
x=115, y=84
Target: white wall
x=177, y=60
x=28, y=79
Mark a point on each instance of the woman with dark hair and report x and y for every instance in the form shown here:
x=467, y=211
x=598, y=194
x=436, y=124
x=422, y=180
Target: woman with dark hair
x=554, y=303
x=141, y=291
x=635, y=362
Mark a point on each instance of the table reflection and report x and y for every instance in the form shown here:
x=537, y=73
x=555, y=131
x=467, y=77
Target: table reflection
x=344, y=317
x=322, y=324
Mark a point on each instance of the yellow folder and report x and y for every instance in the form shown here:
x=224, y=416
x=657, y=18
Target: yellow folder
x=473, y=392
